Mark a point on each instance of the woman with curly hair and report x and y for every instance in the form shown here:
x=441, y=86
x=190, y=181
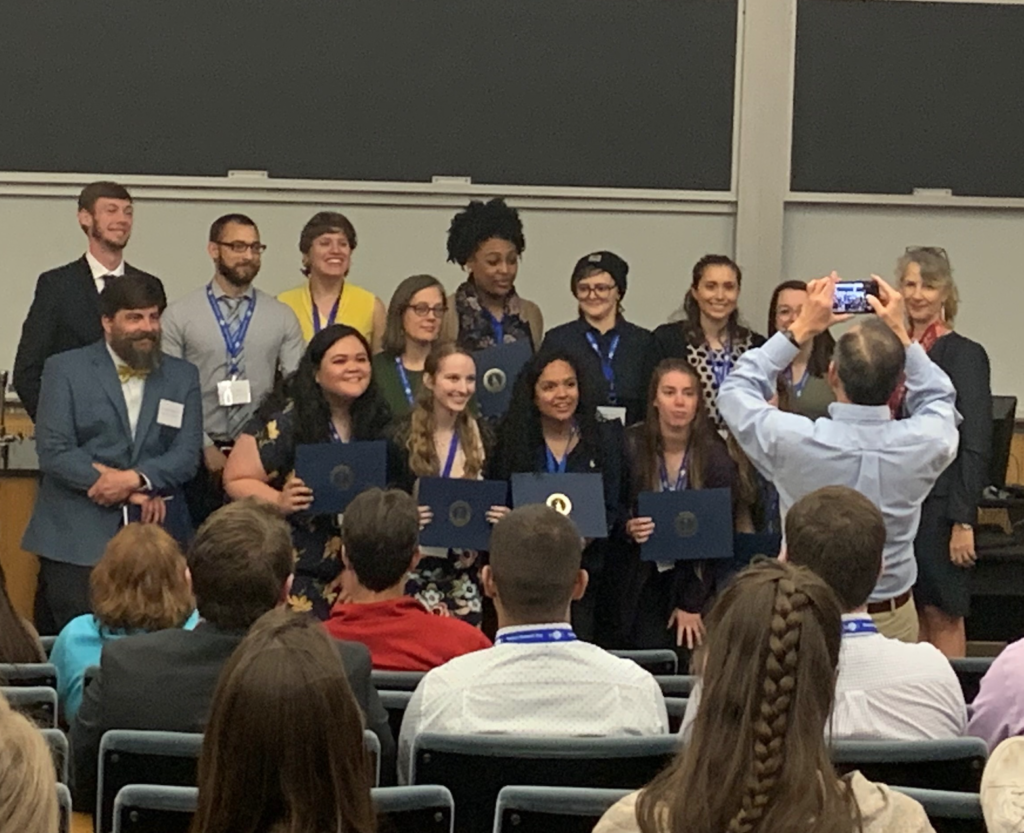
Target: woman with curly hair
x=441, y=438
x=486, y=239
x=141, y=584
x=329, y=398
x=758, y=759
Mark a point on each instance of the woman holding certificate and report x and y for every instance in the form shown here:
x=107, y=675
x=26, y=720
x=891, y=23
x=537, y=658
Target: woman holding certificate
x=441, y=438
x=676, y=447
x=329, y=398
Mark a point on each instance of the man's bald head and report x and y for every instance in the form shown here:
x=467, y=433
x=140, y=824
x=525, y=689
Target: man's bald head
x=868, y=361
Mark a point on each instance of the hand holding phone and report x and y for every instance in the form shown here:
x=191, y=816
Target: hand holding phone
x=888, y=306
x=851, y=297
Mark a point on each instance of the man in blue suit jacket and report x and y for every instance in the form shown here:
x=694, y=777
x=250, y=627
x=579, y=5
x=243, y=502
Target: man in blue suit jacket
x=119, y=428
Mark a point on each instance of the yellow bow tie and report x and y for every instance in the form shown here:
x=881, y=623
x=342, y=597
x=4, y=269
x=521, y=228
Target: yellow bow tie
x=125, y=373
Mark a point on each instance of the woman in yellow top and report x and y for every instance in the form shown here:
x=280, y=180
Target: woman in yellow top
x=327, y=242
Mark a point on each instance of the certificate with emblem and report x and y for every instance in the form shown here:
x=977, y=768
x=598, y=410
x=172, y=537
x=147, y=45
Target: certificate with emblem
x=497, y=369
x=580, y=497
x=460, y=511
x=689, y=524
x=337, y=472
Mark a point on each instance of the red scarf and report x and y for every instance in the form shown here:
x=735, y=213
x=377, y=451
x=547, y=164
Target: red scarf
x=933, y=332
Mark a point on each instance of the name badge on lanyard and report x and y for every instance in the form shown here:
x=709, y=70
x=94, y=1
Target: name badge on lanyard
x=498, y=326
x=331, y=316
x=682, y=476
x=606, y=363
x=233, y=391
x=555, y=465
x=721, y=363
x=859, y=627
x=453, y=446
x=403, y=376
x=535, y=636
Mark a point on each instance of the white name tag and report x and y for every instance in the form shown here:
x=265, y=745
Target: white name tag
x=665, y=566
x=170, y=413
x=234, y=392
x=610, y=413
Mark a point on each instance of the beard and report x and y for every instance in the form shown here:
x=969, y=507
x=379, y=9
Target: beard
x=97, y=234
x=136, y=357
x=241, y=275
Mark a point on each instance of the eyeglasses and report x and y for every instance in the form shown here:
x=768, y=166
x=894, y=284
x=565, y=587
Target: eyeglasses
x=600, y=291
x=931, y=250
x=239, y=246
x=423, y=310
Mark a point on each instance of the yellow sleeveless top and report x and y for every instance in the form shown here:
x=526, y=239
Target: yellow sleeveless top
x=355, y=308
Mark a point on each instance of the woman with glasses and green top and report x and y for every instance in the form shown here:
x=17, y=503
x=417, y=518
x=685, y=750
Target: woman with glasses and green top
x=616, y=356
x=413, y=326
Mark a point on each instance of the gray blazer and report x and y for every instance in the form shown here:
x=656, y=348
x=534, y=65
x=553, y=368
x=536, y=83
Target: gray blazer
x=83, y=419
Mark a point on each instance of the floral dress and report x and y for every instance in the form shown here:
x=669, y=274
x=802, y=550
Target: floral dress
x=316, y=538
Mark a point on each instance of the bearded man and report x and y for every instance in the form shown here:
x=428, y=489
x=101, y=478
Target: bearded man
x=240, y=338
x=119, y=432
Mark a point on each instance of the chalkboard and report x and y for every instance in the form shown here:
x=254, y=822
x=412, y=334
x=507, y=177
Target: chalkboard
x=616, y=93
x=892, y=96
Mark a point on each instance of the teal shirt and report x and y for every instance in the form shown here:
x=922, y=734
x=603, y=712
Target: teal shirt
x=79, y=646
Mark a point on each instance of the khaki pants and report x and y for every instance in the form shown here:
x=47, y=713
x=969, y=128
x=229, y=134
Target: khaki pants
x=898, y=624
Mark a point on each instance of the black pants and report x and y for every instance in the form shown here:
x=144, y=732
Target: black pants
x=62, y=593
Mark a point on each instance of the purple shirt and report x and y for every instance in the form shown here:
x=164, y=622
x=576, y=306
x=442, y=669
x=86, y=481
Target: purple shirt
x=998, y=711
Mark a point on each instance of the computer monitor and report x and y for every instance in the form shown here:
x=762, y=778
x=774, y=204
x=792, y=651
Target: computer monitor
x=1004, y=411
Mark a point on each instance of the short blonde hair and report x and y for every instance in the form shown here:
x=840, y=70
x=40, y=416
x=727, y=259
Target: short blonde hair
x=140, y=582
x=28, y=782
x=935, y=272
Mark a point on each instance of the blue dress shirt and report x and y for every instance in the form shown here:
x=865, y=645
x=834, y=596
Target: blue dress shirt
x=894, y=463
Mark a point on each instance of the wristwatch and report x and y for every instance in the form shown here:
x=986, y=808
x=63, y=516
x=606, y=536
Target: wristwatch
x=788, y=333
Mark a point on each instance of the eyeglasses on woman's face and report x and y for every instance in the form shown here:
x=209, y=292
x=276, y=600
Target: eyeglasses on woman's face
x=423, y=310
x=598, y=290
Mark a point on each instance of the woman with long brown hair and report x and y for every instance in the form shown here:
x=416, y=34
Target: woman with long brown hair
x=19, y=641
x=758, y=760
x=442, y=438
x=676, y=447
x=283, y=751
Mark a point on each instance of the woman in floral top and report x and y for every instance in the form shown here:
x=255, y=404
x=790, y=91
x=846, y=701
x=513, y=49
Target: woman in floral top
x=328, y=399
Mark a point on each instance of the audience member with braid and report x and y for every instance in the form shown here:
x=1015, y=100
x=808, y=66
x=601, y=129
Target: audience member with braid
x=758, y=745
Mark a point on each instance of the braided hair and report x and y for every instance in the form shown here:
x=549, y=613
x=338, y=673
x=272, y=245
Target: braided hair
x=758, y=745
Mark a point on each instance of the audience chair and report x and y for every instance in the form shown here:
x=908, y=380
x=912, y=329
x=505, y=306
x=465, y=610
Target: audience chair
x=372, y=744
x=676, y=685
x=949, y=812
x=148, y=808
x=58, y=743
x=89, y=675
x=676, y=707
x=396, y=680
x=47, y=643
x=969, y=671
x=476, y=767
x=545, y=809
x=137, y=757
x=414, y=809
x=656, y=660
x=28, y=674
x=955, y=764
x=37, y=703
x=64, y=803
x=395, y=703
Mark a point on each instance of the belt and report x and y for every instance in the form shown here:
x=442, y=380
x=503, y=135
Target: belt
x=890, y=605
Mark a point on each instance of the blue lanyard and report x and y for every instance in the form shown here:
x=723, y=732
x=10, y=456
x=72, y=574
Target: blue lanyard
x=606, y=363
x=233, y=341
x=798, y=387
x=859, y=627
x=682, y=476
x=335, y=436
x=721, y=363
x=453, y=446
x=556, y=466
x=536, y=635
x=317, y=327
x=496, y=325
x=405, y=381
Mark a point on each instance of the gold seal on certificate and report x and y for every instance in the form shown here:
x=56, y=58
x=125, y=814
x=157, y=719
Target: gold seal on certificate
x=495, y=380
x=686, y=524
x=560, y=503
x=460, y=513
x=342, y=477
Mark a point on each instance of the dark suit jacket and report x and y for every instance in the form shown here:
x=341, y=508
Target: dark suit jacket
x=165, y=681
x=65, y=314
x=84, y=419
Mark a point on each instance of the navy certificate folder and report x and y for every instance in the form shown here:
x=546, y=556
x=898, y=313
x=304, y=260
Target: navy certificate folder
x=497, y=369
x=578, y=496
x=689, y=524
x=460, y=511
x=337, y=472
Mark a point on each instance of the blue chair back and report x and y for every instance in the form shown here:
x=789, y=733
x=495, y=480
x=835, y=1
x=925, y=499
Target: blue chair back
x=28, y=674
x=676, y=708
x=419, y=809
x=64, y=805
x=676, y=685
x=543, y=809
x=37, y=703
x=656, y=660
x=955, y=764
x=949, y=812
x=58, y=743
x=396, y=680
x=395, y=703
x=151, y=808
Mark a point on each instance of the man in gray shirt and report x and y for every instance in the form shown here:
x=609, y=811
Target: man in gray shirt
x=238, y=337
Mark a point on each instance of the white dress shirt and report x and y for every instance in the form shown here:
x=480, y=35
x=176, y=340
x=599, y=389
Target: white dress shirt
x=565, y=689
x=886, y=690
x=132, y=390
x=99, y=270
x=893, y=463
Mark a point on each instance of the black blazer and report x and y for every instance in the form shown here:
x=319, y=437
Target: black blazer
x=966, y=363
x=165, y=681
x=65, y=314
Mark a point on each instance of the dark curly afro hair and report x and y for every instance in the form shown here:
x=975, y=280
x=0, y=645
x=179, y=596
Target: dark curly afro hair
x=480, y=221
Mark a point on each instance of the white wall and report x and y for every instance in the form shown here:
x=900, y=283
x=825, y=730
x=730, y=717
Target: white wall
x=169, y=239
x=985, y=247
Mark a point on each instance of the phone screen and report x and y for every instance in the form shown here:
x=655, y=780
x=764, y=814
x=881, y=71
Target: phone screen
x=852, y=297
